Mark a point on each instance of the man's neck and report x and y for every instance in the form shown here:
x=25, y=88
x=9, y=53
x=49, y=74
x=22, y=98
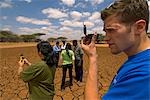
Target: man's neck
x=144, y=44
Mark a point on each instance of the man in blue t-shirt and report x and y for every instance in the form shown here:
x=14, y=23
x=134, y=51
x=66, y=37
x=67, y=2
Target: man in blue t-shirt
x=126, y=25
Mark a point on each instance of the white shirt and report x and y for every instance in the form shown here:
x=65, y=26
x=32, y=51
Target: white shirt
x=63, y=46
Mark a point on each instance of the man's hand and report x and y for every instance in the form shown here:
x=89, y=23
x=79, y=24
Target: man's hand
x=90, y=49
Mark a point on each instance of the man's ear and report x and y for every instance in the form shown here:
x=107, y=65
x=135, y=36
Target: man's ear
x=140, y=26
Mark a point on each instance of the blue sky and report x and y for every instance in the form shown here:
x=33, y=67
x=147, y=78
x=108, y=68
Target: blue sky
x=54, y=17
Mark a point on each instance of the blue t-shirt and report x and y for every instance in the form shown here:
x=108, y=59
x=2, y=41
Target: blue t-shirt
x=132, y=81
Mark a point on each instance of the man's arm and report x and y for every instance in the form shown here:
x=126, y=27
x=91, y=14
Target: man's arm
x=91, y=88
x=57, y=49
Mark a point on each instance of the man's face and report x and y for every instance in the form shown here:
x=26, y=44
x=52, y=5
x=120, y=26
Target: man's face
x=119, y=36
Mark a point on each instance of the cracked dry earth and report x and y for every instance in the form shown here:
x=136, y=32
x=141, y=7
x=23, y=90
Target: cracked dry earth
x=12, y=88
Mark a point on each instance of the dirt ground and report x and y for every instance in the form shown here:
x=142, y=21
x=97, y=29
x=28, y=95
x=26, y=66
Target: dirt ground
x=12, y=88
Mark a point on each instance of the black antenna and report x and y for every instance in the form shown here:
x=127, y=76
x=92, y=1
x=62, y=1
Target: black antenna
x=84, y=29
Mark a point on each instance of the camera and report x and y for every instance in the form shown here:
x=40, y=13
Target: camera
x=22, y=57
x=87, y=39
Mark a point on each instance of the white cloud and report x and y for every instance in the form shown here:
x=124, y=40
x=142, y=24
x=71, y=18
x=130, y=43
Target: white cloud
x=89, y=24
x=95, y=2
x=80, y=5
x=44, y=28
x=26, y=30
x=61, y=19
x=76, y=15
x=68, y=32
x=6, y=4
x=54, y=13
x=86, y=14
x=33, y=21
x=75, y=34
x=66, y=23
x=5, y=27
x=68, y=2
x=50, y=32
x=98, y=22
x=28, y=1
x=84, y=4
x=65, y=29
x=95, y=15
x=69, y=23
x=51, y=29
x=98, y=29
x=77, y=24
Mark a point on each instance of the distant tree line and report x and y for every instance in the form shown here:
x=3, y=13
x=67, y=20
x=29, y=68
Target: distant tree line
x=55, y=39
x=8, y=36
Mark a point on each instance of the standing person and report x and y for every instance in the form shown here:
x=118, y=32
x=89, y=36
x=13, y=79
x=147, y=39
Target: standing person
x=39, y=76
x=63, y=46
x=126, y=25
x=67, y=58
x=57, y=49
x=78, y=61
